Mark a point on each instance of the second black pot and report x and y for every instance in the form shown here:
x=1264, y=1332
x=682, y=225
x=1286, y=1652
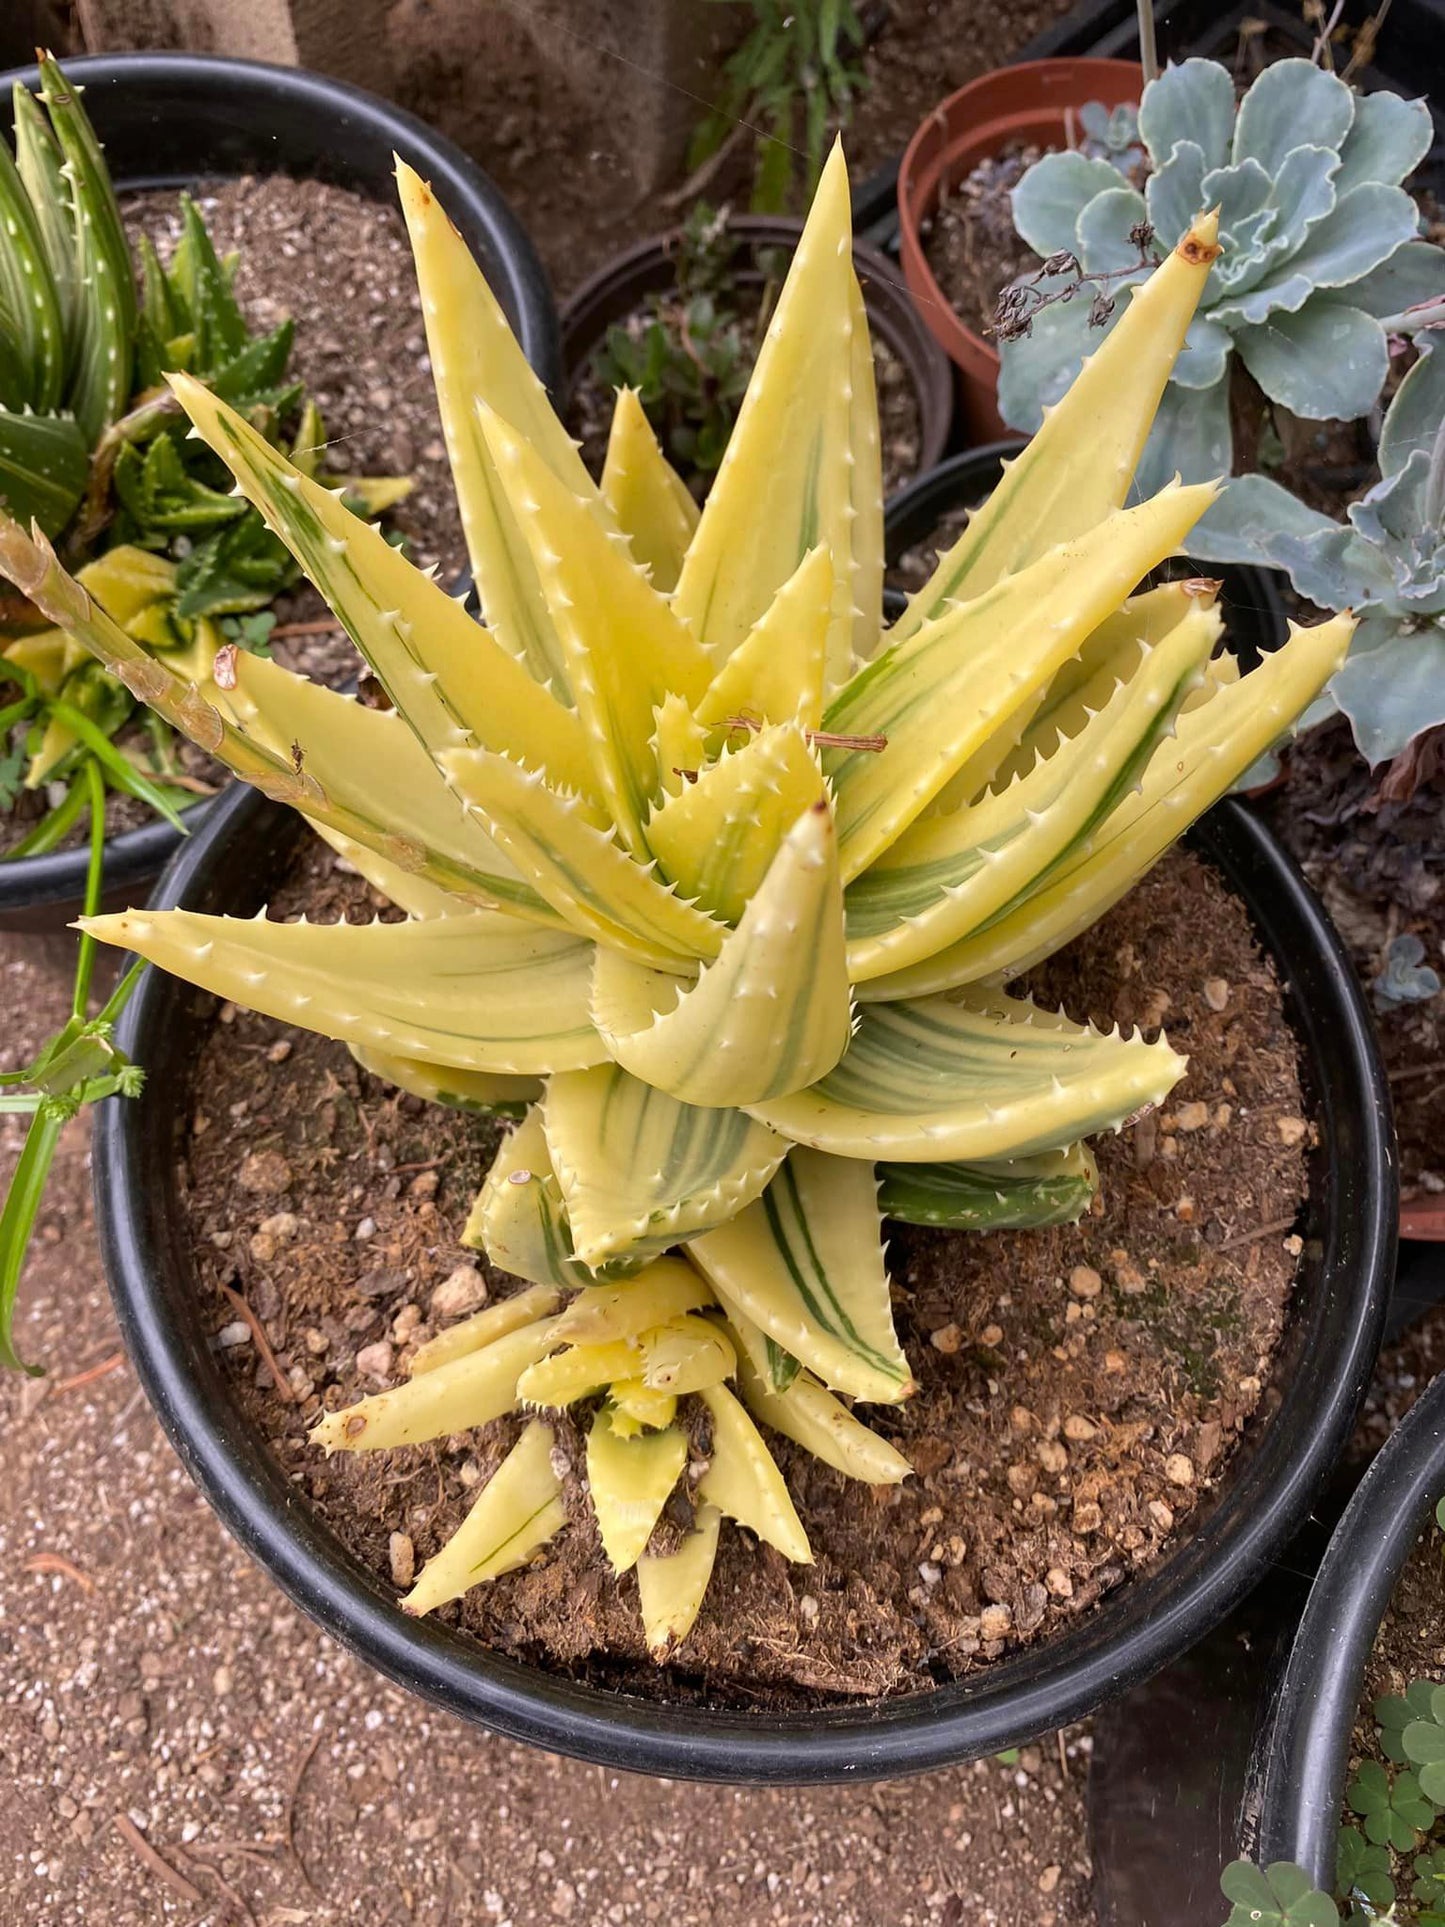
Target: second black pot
x=1323, y=1363
x=169, y=120
x=1255, y=616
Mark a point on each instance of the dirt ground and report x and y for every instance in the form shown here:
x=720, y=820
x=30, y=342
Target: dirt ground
x=159, y=1698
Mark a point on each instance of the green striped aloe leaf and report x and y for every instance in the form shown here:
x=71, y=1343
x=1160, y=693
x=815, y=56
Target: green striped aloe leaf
x=775, y=675
x=807, y=1412
x=805, y=1265
x=519, y=1511
x=670, y=1586
x=1109, y=656
x=639, y=1171
x=38, y=161
x=474, y=354
x=212, y=311
x=1077, y=469
x=770, y=1014
x=29, y=304
x=481, y=991
x=367, y=762
x=44, y=466
x=651, y=503
x=470, y=1390
x=1215, y=743
x=625, y=649
x=938, y=697
x=447, y=675
x=1052, y=1187
x=581, y=870
x=979, y=1075
x=783, y=484
x=105, y=309
x=948, y=875
x=488, y=1092
x=716, y=838
x=519, y=1218
x=743, y=1480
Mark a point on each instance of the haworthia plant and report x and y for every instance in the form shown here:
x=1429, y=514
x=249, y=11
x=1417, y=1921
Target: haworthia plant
x=1386, y=561
x=723, y=869
x=93, y=448
x=1322, y=256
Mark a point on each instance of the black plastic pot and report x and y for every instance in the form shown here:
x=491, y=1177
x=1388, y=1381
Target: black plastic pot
x=622, y=285
x=1302, y=1755
x=168, y=120
x=1254, y=610
x=1324, y=1361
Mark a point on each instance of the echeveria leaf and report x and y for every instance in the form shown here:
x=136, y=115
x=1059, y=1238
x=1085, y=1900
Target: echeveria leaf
x=1388, y=139
x=1047, y=200
x=1393, y=685
x=1289, y=98
x=1327, y=362
x=1190, y=101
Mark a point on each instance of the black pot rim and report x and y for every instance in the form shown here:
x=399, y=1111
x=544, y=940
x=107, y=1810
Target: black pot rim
x=1348, y=1259
x=44, y=890
x=1302, y=1756
x=638, y=270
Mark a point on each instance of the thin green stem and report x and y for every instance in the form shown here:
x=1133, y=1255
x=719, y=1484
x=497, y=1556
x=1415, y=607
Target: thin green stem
x=52, y=827
x=94, y=877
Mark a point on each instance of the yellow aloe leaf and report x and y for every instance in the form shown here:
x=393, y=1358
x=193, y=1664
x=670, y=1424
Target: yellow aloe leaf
x=48, y=656
x=768, y=1361
x=577, y=1373
x=474, y=353
x=449, y=677
x=409, y=892
x=518, y=1217
x=775, y=675
x=716, y=839
x=948, y=875
x=1214, y=744
x=367, y=762
x=783, y=485
x=637, y=1407
x=485, y=1328
x=629, y=1480
x=481, y=991
x=472, y=1390
x=938, y=697
x=588, y=878
x=808, y=1413
x=639, y=1171
x=971, y=1075
x=1052, y=1187
x=519, y=1509
x=662, y=1291
x=485, y=1091
x=865, y=473
x=1078, y=467
x=126, y=581
x=805, y=1264
x=653, y=505
x=771, y=1014
x=679, y=746
x=624, y=647
x=671, y=1586
x=687, y=1354
x=744, y=1483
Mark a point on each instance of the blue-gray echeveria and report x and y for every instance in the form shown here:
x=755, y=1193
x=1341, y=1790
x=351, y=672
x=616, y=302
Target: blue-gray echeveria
x=1320, y=243
x=1386, y=562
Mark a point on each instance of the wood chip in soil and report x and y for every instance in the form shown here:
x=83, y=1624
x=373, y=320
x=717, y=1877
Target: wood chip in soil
x=1082, y=1387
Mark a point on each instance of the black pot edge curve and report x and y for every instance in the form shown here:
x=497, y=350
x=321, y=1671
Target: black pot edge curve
x=45, y=892
x=1251, y=593
x=1349, y=1258
x=1298, y=1772
x=627, y=276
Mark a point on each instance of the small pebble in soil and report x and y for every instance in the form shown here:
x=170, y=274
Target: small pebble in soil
x=375, y=1360
x=948, y=1339
x=1178, y=1469
x=1085, y=1282
x=461, y=1291
x=236, y=1333
x=403, y=1558
x=1216, y=993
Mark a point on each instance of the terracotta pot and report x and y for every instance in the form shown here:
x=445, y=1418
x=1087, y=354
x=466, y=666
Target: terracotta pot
x=1030, y=102
x=1423, y=1218
x=622, y=285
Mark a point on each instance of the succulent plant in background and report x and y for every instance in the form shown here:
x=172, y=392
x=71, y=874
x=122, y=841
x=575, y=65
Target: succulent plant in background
x=1321, y=256
x=716, y=881
x=1386, y=562
x=94, y=449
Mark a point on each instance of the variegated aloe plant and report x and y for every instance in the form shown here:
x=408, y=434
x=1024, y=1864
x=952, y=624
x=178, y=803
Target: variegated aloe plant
x=715, y=882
